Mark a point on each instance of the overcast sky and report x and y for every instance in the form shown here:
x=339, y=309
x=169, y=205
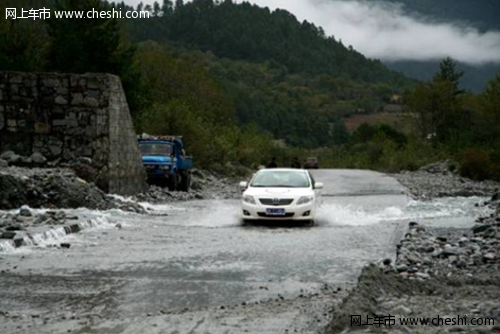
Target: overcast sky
x=384, y=31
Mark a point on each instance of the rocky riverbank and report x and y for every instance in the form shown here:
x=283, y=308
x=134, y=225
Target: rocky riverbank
x=442, y=180
x=63, y=188
x=205, y=185
x=27, y=227
x=445, y=273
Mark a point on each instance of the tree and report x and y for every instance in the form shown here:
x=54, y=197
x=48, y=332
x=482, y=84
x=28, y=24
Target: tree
x=179, y=4
x=86, y=45
x=448, y=72
x=167, y=8
x=441, y=116
x=23, y=44
x=492, y=98
x=156, y=9
x=340, y=133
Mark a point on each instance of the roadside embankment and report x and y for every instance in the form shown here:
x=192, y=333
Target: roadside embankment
x=442, y=180
x=447, y=273
x=54, y=188
x=62, y=188
x=205, y=185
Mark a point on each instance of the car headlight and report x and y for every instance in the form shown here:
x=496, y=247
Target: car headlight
x=305, y=200
x=167, y=168
x=248, y=199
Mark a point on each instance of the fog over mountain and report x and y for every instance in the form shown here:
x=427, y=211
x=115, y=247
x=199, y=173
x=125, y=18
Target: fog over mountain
x=384, y=30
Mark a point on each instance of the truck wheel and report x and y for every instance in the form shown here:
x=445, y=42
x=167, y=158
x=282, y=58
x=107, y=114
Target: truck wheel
x=185, y=182
x=172, y=182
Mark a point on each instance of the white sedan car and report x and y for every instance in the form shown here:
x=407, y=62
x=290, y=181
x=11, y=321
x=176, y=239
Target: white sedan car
x=280, y=194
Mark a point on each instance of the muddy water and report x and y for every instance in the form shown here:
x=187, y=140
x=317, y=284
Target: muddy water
x=194, y=268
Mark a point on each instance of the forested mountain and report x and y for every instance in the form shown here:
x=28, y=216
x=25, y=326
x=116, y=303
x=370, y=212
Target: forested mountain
x=286, y=76
x=266, y=71
x=248, y=32
x=238, y=81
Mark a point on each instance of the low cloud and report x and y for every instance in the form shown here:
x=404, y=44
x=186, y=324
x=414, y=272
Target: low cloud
x=383, y=30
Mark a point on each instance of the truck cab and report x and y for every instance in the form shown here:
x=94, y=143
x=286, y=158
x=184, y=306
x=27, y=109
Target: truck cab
x=165, y=161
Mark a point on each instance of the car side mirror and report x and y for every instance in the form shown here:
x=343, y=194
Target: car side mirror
x=243, y=185
x=319, y=185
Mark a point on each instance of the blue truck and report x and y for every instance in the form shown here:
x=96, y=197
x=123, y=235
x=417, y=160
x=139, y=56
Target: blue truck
x=166, y=162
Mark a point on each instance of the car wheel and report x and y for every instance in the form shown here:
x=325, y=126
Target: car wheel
x=310, y=223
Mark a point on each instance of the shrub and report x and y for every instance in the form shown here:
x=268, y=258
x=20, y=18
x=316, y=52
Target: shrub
x=475, y=165
x=495, y=172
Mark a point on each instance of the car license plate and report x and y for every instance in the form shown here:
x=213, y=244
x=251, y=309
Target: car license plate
x=275, y=212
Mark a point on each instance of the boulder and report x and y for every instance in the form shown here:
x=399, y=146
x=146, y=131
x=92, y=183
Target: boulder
x=25, y=211
x=38, y=159
x=480, y=228
x=8, y=235
x=11, y=157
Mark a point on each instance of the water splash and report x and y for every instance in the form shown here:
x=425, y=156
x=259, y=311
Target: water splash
x=351, y=215
x=55, y=235
x=456, y=210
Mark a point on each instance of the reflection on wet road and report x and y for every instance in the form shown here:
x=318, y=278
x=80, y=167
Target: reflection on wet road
x=194, y=268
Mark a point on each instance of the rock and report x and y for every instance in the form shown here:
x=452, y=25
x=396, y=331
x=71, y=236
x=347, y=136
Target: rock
x=413, y=224
x=11, y=157
x=423, y=275
x=437, y=253
x=480, y=228
x=489, y=257
x=8, y=235
x=402, y=268
x=3, y=163
x=65, y=245
x=387, y=262
x=401, y=309
x=14, y=228
x=118, y=226
x=450, y=250
x=61, y=100
x=25, y=212
x=83, y=168
x=38, y=159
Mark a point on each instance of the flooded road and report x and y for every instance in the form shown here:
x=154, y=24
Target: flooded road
x=194, y=268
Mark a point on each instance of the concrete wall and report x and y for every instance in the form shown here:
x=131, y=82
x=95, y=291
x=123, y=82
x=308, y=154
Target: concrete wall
x=67, y=116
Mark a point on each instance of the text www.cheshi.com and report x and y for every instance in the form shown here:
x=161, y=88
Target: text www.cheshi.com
x=47, y=13
x=389, y=320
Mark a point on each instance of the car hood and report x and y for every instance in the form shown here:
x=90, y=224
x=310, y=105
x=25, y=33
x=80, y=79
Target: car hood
x=156, y=159
x=279, y=192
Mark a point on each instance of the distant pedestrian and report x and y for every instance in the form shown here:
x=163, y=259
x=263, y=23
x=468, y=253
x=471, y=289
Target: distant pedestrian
x=296, y=163
x=272, y=163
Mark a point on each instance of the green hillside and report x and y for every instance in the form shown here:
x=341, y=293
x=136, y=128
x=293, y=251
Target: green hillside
x=283, y=75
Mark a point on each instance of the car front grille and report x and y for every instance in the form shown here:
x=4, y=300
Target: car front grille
x=265, y=215
x=276, y=201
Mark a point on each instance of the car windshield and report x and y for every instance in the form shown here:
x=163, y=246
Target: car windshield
x=155, y=149
x=281, y=179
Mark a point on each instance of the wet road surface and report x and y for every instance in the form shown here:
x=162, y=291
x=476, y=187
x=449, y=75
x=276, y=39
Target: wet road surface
x=194, y=268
